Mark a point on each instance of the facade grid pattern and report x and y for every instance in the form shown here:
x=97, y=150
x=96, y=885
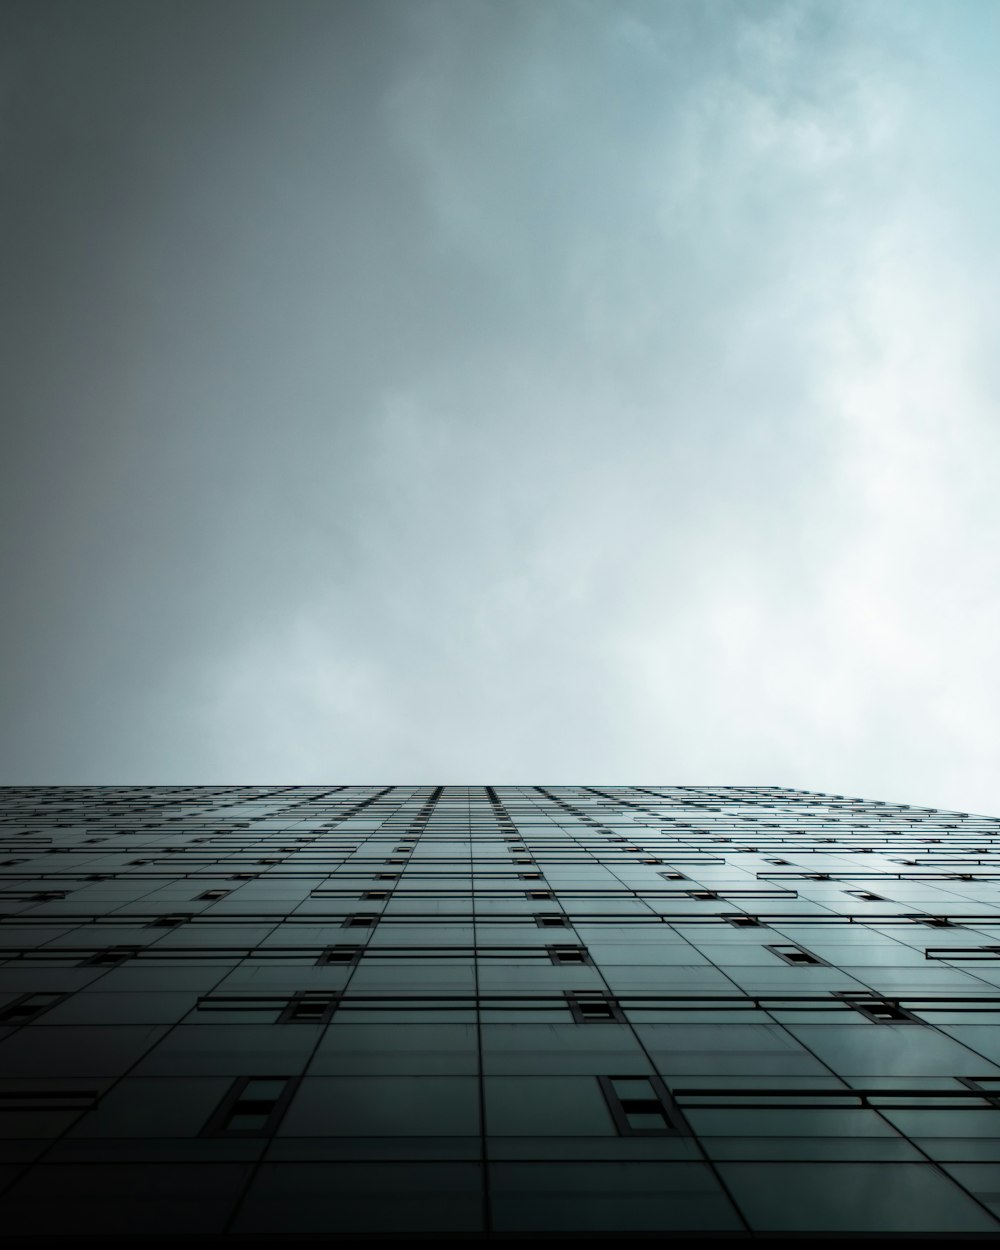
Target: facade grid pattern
x=511, y=1011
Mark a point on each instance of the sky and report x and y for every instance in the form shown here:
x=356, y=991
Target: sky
x=463, y=392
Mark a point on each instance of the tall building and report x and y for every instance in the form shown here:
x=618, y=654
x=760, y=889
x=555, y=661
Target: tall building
x=512, y=1010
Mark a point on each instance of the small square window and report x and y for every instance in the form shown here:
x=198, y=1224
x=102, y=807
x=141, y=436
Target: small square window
x=361, y=920
x=170, y=921
x=309, y=1007
x=593, y=1008
x=340, y=955
x=796, y=955
x=988, y=1086
x=253, y=1107
x=568, y=954
x=111, y=956
x=551, y=920
x=641, y=1106
x=880, y=1010
x=28, y=1007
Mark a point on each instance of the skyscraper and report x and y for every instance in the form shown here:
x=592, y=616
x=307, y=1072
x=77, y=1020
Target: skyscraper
x=512, y=1010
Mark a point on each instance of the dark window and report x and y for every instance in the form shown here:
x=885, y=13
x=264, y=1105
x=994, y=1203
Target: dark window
x=744, y=922
x=792, y=954
x=111, y=956
x=361, y=921
x=989, y=1086
x=48, y=1099
x=253, y=1107
x=593, y=1008
x=568, y=954
x=214, y=894
x=641, y=1106
x=28, y=1007
x=171, y=921
x=550, y=920
x=881, y=1010
x=309, y=1007
x=340, y=955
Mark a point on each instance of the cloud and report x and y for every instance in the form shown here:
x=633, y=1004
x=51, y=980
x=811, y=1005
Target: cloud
x=581, y=392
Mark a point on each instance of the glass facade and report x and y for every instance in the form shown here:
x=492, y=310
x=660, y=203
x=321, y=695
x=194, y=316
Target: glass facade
x=501, y=1011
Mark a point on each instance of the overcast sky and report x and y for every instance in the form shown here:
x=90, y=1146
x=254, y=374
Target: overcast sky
x=445, y=391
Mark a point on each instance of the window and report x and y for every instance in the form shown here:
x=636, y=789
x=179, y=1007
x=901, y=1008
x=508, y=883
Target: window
x=170, y=921
x=568, y=954
x=309, y=1007
x=641, y=1106
x=539, y=894
x=340, y=955
x=111, y=956
x=214, y=894
x=253, y=1107
x=550, y=920
x=986, y=1085
x=29, y=1007
x=593, y=1007
x=48, y=1099
x=792, y=954
x=881, y=1010
x=376, y=894
x=361, y=920
x=743, y=922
